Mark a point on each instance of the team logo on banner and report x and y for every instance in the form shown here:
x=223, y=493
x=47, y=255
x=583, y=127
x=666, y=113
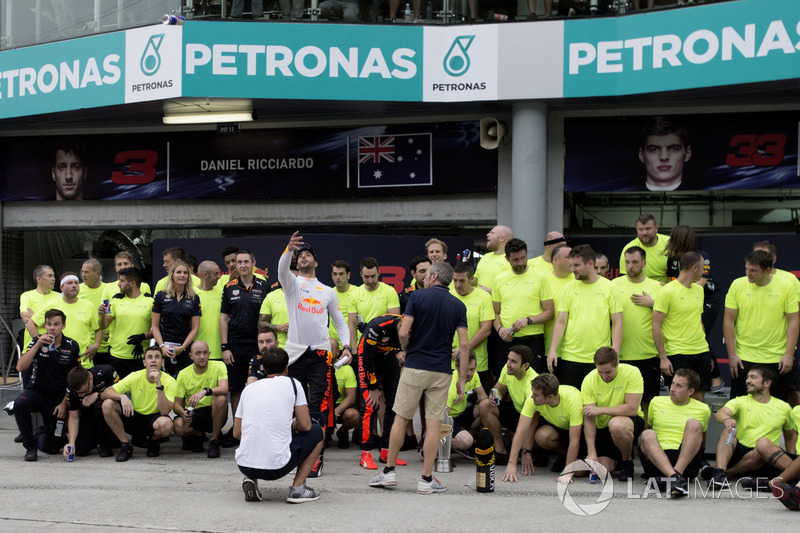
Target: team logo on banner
x=151, y=59
x=456, y=62
x=395, y=160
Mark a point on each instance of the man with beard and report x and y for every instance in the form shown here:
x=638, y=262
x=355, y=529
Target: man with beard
x=588, y=306
x=522, y=304
x=419, y=267
x=653, y=244
x=491, y=265
x=371, y=299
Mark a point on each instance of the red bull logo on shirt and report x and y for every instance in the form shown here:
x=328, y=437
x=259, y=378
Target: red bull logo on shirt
x=310, y=305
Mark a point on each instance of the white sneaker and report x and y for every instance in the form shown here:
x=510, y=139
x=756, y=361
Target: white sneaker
x=429, y=487
x=251, y=492
x=384, y=479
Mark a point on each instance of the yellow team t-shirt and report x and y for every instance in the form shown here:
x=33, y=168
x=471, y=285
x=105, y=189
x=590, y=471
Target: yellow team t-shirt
x=596, y=391
x=144, y=395
x=760, y=329
x=540, y=265
x=656, y=257
x=637, y=320
x=521, y=295
x=755, y=419
x=131, y=317
x=683, y=326
x=344, y=305
x=34, y=300
x=489, y=267
x=82, y=322
x=210, y=303
x=456, y=409
x=590, y=307
x=190, y=383
x=668, y=420
x=518, y=389
x=568, y=412
x=556, y=289
x=345, y=379
x=275, y=306
x=796, y=423
x=479, y=309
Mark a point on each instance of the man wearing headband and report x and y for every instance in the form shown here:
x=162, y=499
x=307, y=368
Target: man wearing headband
x=544, y=262
x=83, y=324
x=311, y=304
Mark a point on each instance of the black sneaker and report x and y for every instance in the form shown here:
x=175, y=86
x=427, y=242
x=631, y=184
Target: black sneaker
x=106, y=451
x=720, y=478
x=125, y=452
x=32, y=455
x=153, y=449
x=343, y=438
x=410, y=443
x=187, y=444
x=18, y=439
x=626, y=470
x=213, y=449
x=679, y=486
x=197, y=444
x=560, y=463
x=760, y=484
x=229, y=441
x=316, y=471
x=707, y=472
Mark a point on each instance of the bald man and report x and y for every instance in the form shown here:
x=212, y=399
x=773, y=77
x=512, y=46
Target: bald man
x=544, y=262
x=210, y=293
x=494, y=263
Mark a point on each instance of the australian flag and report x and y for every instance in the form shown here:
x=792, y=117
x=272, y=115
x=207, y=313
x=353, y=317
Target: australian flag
x=404, y=160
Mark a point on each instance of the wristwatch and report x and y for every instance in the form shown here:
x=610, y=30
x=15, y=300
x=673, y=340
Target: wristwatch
x=208, y=390
x=524, y=451
x=530, y=321
x=159, y=387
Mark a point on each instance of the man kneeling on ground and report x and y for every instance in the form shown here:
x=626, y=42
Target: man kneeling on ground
x=272, y=444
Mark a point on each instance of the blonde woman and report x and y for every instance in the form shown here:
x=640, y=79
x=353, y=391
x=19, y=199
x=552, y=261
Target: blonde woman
x=176, y=318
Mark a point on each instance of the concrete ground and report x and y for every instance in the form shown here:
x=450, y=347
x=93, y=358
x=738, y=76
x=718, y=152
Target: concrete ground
x=181, y=491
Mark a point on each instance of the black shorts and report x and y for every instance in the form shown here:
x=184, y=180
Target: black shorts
x=604, y=444
x=692, y=468
x=563, y=434
x=125, y=366
x=140, y=425
x=202, y=419
x=572, y=373
x=700, y=363
x=237, y=373
x=509, y=416
x=301, y=447
x=651, y=374
x=464, y=421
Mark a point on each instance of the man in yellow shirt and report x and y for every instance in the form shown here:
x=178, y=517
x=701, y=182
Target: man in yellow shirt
x=371, y=299
x=589, y=316
x=210, y=293
x=82, y=324
x=30, y=302
x=480, y=315
x=554, y=416
x=756, y=415
x=522, y=305
x=613, y=419
x=654, y=244
x=636, y=292
x=513, y=389
x=146, y=413
x=201, y=403
x=678, y=327
x=170, y=255
x=493, y=263
x=544, y=263
x=678, y=422
x=559, y=278
x=466, y=413
x=760, y=324
x=340, y=275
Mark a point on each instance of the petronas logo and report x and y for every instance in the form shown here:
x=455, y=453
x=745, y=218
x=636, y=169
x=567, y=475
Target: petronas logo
x=456, y=62
x=151, y=59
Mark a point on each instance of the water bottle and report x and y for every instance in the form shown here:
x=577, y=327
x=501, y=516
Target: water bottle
x=409, y=17
x=484, y=461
